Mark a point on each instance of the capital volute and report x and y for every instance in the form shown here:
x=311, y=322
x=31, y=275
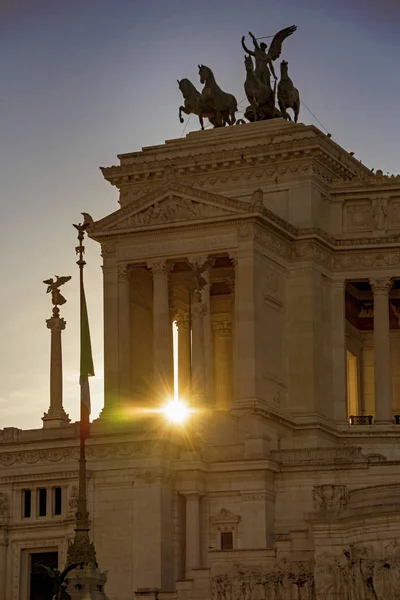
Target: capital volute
x=381, y=285
x=124, y=272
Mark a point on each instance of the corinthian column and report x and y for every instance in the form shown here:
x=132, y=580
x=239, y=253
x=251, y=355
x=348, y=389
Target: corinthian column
x=162, y=331
x=182, y=321
x=198, y=348
x=56, y=415
x=223, y=383
x=124, y=334
x=382, y=371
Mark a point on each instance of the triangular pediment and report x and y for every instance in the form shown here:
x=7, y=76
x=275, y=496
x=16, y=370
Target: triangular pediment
x=168, y=205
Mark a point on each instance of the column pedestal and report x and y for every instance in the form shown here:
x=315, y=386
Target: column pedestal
x=56, y=415
x=87, y=584
x=382, y=365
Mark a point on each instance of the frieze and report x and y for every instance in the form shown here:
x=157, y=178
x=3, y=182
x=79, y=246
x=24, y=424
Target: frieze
x=94, y=452
x=149, y=477
x=312, y=251
x=379, y=259
x=284, y=580
x=224, y=241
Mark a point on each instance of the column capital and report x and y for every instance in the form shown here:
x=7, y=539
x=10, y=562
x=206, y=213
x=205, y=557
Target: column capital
x=56, y=323
x=381, y=285
x=199, y=309
x=124, y=272
x=182, y=318
x=200, y=260
x=159, y=266
x=222, y=328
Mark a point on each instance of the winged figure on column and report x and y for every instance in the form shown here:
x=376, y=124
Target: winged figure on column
x=57, y=298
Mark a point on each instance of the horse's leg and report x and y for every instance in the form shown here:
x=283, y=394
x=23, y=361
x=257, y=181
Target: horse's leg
x=283, y=110
x=296, y=109
x=181, y=110
x=201, y=121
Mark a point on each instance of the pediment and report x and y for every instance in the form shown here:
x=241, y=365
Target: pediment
x=169, y=205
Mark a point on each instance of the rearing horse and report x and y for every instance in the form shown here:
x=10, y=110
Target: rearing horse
x=194, y=103
x=215, y=100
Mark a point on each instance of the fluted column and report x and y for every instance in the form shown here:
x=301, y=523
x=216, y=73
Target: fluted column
x=198, y=349
x=382, y=367
x=192, y=530
x=223, y=377
x=162, y=331
x=338, y=328
x=182, y=322
x=111, y=338
x=208, y=340
x=124, y=334
x=3, y=563
x=56, y=415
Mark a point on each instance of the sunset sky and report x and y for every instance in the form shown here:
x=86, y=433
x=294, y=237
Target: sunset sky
x=84, y=80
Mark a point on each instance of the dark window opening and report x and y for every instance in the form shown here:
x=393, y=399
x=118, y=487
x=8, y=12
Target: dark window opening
x=27, y=503
x=42, y=502
x=226, y=540
x=41, y=585
x=57, y=500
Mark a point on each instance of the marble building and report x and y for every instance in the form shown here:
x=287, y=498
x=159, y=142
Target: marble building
x=283, y=482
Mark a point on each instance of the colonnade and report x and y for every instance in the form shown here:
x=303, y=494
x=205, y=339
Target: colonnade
x=205, y=349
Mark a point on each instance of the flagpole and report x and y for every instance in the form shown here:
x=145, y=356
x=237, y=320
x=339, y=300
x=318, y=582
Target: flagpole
x=82, y=550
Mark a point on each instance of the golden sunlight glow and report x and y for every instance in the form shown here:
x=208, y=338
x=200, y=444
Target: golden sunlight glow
x=176, y=411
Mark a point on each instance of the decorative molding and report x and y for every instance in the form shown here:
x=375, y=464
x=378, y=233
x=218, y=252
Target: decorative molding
x=149, y=477
x=222, y=328
x=225, y=517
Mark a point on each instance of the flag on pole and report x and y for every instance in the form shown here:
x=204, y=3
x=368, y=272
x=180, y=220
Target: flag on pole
x=87, y=369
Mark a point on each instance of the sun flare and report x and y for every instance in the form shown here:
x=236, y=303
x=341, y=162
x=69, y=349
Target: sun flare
x=176, y=411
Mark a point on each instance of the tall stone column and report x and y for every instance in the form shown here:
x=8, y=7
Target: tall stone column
x=338, y=328
x=223, y=376
x=208, y=340
x=198, y=349
x=56, y=415
x=162, y=331
x=192, y=530
x=184, y=354
x=124, y=334
x=382, y=367
x=111, y=343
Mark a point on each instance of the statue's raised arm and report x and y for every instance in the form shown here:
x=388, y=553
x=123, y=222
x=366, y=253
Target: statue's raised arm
x=245, y=47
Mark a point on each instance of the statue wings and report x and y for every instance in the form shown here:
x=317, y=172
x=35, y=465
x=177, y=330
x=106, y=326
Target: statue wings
x=57, y=283
x=275, y=48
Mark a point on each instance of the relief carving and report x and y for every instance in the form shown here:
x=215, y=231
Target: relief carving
x=358, y=574
x=172, y=210
x=3, y=506
x=284, y=581
x=330, y=497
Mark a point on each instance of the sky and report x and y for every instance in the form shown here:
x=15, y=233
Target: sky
x=84, y=80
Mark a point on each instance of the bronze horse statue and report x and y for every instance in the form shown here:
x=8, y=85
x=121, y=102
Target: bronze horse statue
x=288, y=95
x=214, y=99
x=193, y=103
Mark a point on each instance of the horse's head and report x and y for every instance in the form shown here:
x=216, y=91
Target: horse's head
x=284, y=67
x=187, y=88
x=248, y=62
x=204, y=73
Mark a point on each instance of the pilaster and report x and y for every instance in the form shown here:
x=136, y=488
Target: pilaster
x=124, y=334
x=111, y=345
x=339, y=359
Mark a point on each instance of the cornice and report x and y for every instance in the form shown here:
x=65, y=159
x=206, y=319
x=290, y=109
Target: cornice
x=201, y=159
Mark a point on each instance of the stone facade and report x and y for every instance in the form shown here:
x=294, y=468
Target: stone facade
x=284, y=482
